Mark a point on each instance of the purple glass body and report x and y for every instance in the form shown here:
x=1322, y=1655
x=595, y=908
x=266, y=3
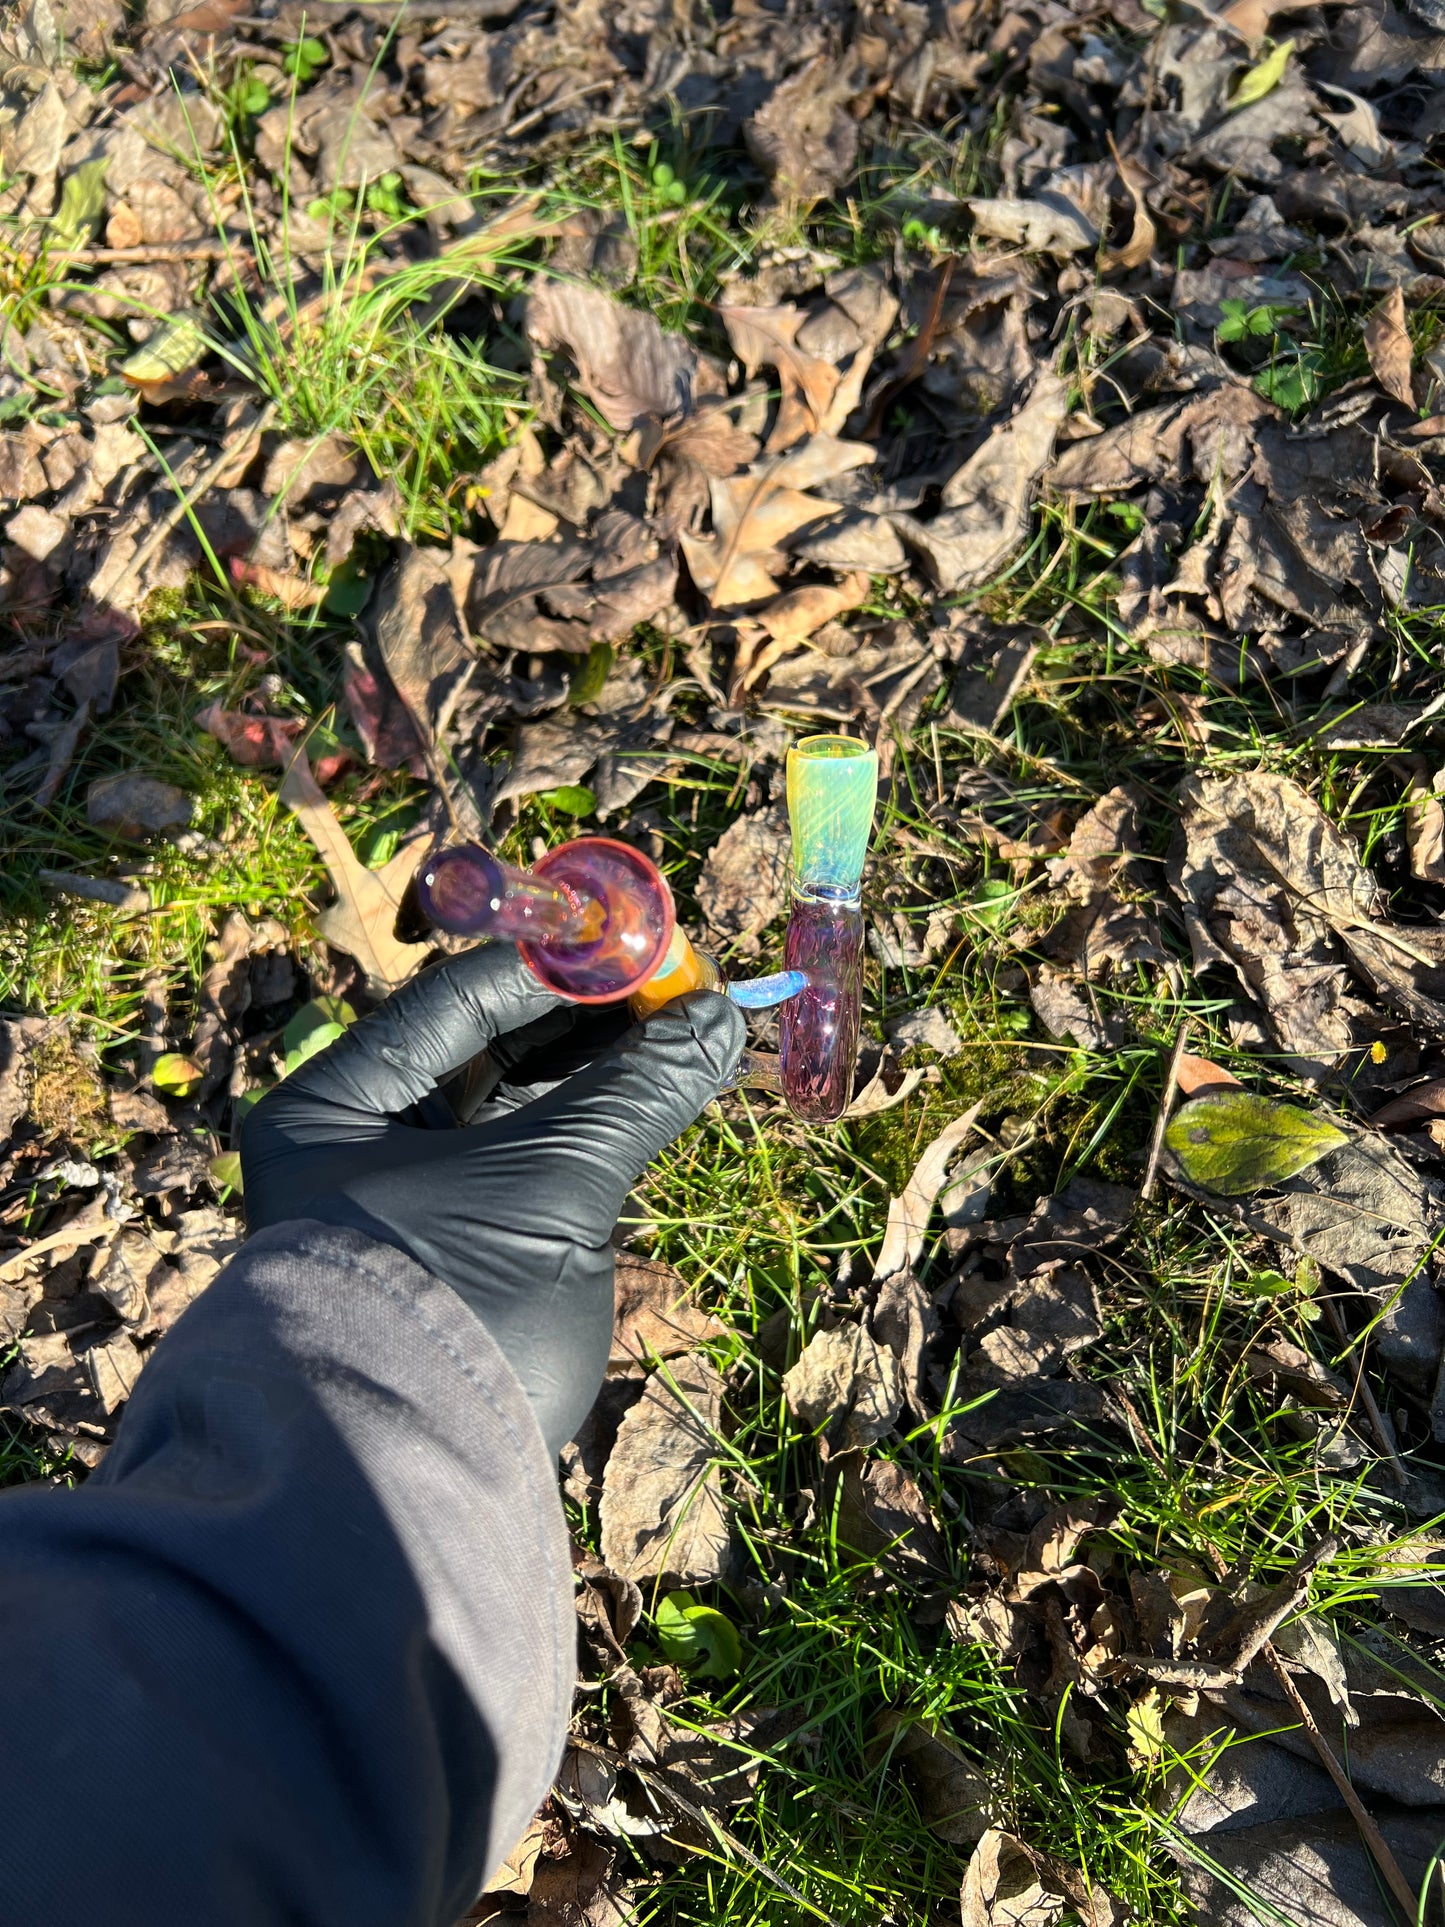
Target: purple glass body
x=818, y=1029
x=592, y=919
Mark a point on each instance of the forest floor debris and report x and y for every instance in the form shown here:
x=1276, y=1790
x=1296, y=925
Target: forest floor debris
x=520, y=417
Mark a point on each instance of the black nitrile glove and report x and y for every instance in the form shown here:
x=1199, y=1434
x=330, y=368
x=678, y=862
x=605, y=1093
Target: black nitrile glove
x=516, y=1210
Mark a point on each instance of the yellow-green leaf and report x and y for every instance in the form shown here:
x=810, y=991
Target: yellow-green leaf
x=225, y=1171
x=1232, y=1142
x=700, y=1638
x=178, y=344
x=314, y=1026
x=82, y=204
x=1144, y=1729
x=1262, y=78
x=176, y=1075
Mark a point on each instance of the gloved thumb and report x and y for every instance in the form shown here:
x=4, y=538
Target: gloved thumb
x=577, y=1152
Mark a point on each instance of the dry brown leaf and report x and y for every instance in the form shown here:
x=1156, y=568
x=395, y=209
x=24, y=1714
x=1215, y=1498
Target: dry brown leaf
x=1140, y=244
x=767, y=338
x=879, y=1095
x=1251, y=18
x=986, y=503
x=1040, y=227
x=625, y=363
x=1387, y=343
x=744, y=881
x=789, y=622
x=515, y=1874
x=362, y=921
x=883, y=1515
x=1198, y=1074
x=709, y=440
x=1425, y=828
x=293, y=592
x=421, y=640
x=1415, y=1106
x=577, y=1891
x=802, y=612
x=803, y=136
x=225, y=996
x=662, y=1508
x=1272, y=889
x=755, y=513
x=653, y=1316
x=908, y=1215
x=1009, y=1884
x=954, y=1795
x=847, y=1385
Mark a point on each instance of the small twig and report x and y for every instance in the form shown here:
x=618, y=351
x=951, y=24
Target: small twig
x=469, y=11
x=72, y=1235
x=553, y=107
x=1136, y=1425
x=1166, y=1105
x=1363, y=1818
x=151, y=251
x=1367, y=1396
x=914, y=361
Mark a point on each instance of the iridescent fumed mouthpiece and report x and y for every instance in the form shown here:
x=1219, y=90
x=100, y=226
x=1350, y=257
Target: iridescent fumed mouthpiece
x=832, y=788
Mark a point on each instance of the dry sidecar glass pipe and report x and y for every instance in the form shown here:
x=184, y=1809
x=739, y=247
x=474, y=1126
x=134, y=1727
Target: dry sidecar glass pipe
x=832, y=790
x=593, y=920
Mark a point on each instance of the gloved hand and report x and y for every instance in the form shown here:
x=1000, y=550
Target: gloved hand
x=515, y=1211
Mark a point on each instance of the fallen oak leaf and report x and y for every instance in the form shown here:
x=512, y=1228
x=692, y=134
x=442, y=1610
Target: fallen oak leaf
x=1233, y=1143
x=362, y=921
x=767, y=338
x=754, y=514
x=790, y=620
x=1388, y=346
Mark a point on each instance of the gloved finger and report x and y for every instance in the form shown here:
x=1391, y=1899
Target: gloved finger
x=527, y=1074
x=423, y=1031
x=565, y=1164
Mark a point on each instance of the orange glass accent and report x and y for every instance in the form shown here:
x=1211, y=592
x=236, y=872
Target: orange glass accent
x=681, y=970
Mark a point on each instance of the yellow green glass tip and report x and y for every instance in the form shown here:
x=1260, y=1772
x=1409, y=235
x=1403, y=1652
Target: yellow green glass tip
x=832, y=788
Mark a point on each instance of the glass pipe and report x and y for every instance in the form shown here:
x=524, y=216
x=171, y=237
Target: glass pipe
x=832, y=789
x=593, y=919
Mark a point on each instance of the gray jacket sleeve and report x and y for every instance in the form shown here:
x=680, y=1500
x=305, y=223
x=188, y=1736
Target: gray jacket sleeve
x=302, y=1650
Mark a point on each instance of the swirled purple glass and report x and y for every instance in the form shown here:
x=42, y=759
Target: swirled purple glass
x=818, y=1029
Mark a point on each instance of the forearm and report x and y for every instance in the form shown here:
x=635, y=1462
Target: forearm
x=306, y=1638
